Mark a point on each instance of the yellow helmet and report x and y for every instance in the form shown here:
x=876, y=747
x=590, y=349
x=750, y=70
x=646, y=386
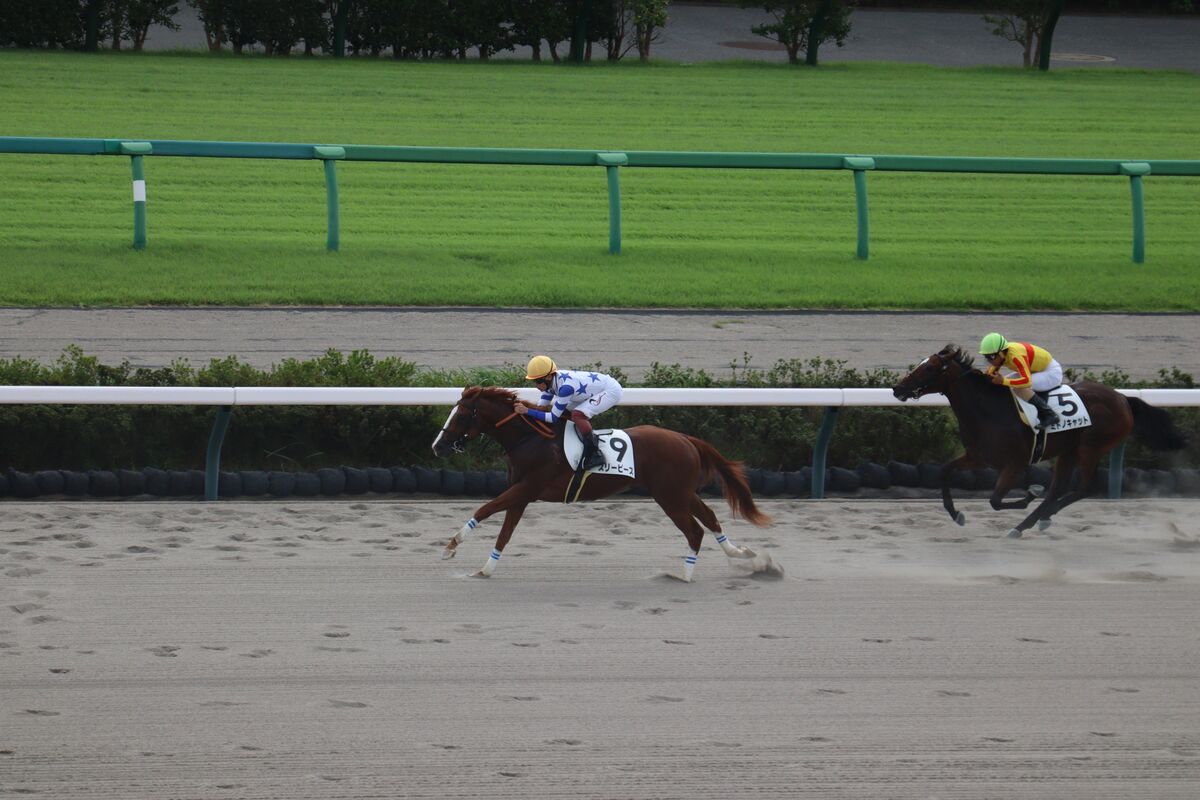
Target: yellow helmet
x=540, y=367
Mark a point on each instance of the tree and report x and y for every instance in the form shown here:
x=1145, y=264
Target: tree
x=1029, y=23
x=535, y=20
x=803, y=24
x=212, y=16
x=136, y=17
x=649, y=16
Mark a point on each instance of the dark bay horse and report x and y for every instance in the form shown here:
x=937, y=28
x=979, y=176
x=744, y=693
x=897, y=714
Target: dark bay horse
x=993, y=434
x=671, y=466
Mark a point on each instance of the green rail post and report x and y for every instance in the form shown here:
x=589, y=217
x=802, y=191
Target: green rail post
x=136, y=150
x=821, y=450
x=330, y=155
x=613, y=162
x=1136, y=170
x=212, y=461
x=1116, y=471
x=860, y=165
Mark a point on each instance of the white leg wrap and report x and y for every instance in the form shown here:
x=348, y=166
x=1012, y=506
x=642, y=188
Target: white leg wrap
x=727, y=545
x=492, y=561
x=466, y=530
x=689, y=564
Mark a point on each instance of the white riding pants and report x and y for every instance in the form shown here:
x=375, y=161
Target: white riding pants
x=600, y=403
x=1047, y=379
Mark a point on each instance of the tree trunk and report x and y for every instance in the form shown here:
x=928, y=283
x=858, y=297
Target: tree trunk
x=1048, y=35
x=1027, y=55
x=339, y=28
x=553, y=46
x=816, y=31
x=91, y=40
x=537, y=50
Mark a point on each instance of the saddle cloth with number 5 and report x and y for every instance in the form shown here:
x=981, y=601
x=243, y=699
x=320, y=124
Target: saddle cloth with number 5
x=615, y=445
x=1072, y=413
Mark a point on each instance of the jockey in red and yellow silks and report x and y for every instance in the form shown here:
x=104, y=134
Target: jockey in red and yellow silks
x=1036, y=371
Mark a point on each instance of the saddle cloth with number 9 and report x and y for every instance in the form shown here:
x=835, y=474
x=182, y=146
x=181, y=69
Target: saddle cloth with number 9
x=1072, y=413
x=615, y=445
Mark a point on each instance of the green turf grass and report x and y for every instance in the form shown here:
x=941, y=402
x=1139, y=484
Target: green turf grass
x=227, y=231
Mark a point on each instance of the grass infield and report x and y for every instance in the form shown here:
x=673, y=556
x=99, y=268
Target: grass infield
x=227, y=231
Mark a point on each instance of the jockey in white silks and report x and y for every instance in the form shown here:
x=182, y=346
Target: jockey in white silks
x=580, y=395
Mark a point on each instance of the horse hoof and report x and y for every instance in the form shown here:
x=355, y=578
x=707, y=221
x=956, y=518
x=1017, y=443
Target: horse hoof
x=1043, y=524
x=1037, y=490
x=960, y=518
x=1015, y=533
x=744, y=552
x=678, y=577
x=479, y=574
x=448, y=554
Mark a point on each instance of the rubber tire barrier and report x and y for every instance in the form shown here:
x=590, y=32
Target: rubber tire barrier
x=102, y=483
x=428, y=480
x=963, y=479
x=754, y=477
x=49, y=481
x=773, y=484
x=798, y=483
x=843, y=480
x=75, y=484
x=403, y=480
x=157, y=481
x=22, y=484
x=281, y=484
x=497, y=482
x=1187, y=482
x=379, y=480
x=131, y=482
x=903, y=474
x=1040, y=475
x=874, y=476
x=180, y=483
x=1162, y=481
x=475, y=483
x=229, y=484
x=3, y=485
x=452, y=482
x=333, y=481
x=929, y=476
x=307, y=485
x=356, y=481
x=1136, y=481
x=255, y=483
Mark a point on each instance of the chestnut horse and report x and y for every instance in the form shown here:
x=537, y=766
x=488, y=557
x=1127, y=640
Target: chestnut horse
x=994, y=435
x=671, y=466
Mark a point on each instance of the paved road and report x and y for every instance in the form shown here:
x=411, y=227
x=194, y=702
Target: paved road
x=632, y=340
x=957, y=39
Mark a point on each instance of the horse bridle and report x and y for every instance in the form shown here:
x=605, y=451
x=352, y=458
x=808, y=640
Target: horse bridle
x=924, y=389
x=459, y=444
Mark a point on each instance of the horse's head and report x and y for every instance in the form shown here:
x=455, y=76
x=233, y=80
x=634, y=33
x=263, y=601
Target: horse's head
x=476, y=412
x=932, y=374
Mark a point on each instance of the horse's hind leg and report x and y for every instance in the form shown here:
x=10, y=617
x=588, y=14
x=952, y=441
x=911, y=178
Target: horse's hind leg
x=1087, y=470
x=1007, y=480
x=1060, y=484
x=708, y=519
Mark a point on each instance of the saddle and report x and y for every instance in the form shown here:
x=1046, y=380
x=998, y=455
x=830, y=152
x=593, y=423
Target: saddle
x=1072, y=414
x=614, y=445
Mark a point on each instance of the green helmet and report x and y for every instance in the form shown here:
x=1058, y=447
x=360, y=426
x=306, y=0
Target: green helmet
x=992, y=343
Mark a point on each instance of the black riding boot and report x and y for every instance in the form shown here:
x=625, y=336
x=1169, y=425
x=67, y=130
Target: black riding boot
x=1047, y=416
x=592, y=457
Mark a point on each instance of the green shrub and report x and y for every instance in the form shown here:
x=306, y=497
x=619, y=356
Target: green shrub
x=307, y=437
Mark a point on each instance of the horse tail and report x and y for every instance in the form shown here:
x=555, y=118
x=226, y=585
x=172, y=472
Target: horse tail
x=733, y=482
x=1154, y=427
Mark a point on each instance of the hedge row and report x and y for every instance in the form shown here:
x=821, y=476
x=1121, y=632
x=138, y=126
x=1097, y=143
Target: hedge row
x=307, y=438
x=333, y=482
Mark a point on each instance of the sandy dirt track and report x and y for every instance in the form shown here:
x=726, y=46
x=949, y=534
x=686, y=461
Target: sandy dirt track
x=321, y=650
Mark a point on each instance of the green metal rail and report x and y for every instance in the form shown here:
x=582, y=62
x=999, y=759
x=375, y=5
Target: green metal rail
x=611, y=161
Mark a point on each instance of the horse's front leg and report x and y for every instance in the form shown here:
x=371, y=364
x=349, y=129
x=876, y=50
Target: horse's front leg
x=513, y=495
x=511, y=518
x=965, y=461
x=1004, y=483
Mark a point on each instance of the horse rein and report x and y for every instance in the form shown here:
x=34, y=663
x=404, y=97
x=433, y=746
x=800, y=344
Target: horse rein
x=540, y=428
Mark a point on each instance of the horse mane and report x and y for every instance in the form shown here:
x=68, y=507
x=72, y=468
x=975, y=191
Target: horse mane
x=489, y=393
x=964, y=359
